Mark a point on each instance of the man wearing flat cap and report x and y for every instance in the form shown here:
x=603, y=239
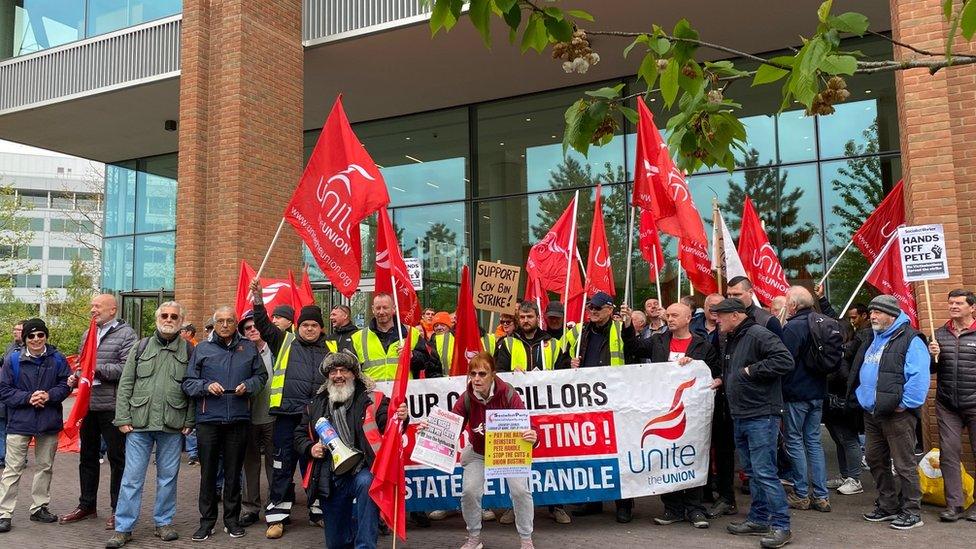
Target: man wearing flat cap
x=294, y=380
x=890, y=380
x=754, y=361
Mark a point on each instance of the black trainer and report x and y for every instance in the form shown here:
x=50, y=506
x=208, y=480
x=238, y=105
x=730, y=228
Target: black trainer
x=43, y=515
x=698, y=520
x=952, y=514
x=777, y=538
x=203, y=533
x=907, y=521
x=624, y=515
x=668, y=518
x=235, y=530
x=720, y=508
x=879, y=515
x=748, y=528
x=248, y=519
x=4, y=525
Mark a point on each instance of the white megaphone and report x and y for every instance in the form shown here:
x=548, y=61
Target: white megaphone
x=344, y=458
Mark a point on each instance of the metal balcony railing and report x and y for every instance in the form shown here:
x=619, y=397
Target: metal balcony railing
x=328, y=20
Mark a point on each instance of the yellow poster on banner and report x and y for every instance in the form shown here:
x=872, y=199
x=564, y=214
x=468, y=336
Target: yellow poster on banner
x=507, y=454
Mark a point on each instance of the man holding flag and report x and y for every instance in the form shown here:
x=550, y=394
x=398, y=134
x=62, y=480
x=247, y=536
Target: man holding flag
x=33, y=384
x=359, y=418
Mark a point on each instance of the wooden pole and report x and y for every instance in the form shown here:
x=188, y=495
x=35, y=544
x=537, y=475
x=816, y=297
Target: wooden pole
x=271, y=247
x=836, y=261
x=396, y=514
x=928, y=303
x=867, y=273
x=679, y=282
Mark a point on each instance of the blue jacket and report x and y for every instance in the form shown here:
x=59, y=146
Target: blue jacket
x=48, y=372
x=230, y=365
x=804, y=382
x=917, y=362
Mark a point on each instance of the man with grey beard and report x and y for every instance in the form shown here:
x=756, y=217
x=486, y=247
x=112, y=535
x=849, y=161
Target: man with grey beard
x=359, y=416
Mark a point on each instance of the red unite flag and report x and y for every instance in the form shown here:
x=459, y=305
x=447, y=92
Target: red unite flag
x=392, y=274
x=649, y=242
x=535, y=293
x=882, y=223
x=549, y=259
x=886, y=275
x=599, y=273
x=389, y=489
x=660, y=187
x=86, y=375
x=467, y=337
x=341, y=186
x=274, y=292
x=760, y=260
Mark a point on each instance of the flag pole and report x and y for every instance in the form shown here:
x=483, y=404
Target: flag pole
x=571, y=248
x=396, y=305
x=679, y=277
x=396, y=514
x=868, y=273
x=657, y=277
x=271, y=247
x=928, y=302
x=716, y=249
x=630, y=253
x=836, y=261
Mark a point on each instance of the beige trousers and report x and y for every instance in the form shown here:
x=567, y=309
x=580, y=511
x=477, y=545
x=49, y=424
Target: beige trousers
x=45, y=446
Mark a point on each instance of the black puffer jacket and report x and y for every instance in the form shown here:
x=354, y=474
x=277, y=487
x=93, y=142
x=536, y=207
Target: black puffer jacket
x=302, y=376
x=113, y=350
x=760, y=392
x=956, y=369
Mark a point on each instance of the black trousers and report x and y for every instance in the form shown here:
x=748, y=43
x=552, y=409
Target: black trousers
x=96, y=426
x=724, y=444
x=684, y=502
x=216, y=441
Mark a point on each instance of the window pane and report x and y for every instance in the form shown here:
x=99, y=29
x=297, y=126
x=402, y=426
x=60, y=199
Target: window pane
x=62, y=201
x=35, y=252
x=156, y=195
x=155, y=260
x=117, y=264
x=436, y=235
x=34, y=198
x=34, y=25
x=120, y=197
x=109, y=15
x=520, y=147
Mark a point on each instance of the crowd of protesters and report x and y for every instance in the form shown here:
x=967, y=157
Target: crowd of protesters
x=245, y=399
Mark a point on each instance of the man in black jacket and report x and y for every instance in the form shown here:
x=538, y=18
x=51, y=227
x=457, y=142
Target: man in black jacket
x=677, y=344
x=359, y=416
x=954, y=361
x=754, y=361
x=740, y=288
x=342, y=329
x=529, y=347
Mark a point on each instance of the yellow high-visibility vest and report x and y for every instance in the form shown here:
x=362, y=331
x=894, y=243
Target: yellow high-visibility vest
x=520, y=355
x=278, y=373
x=378, y=364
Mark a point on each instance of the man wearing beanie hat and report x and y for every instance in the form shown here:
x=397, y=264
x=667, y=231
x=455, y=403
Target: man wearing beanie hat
x=33, y=383
x=294, y=380
x=283, y=316
x=890, y=380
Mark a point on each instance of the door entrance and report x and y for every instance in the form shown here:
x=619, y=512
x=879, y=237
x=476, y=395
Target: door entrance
x=139, y=309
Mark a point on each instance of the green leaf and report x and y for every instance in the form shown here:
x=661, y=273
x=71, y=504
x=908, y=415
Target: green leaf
x=555, y=13
x=648, y=70
x=560, y=29
x=683, y=50
x=839, y=64
x=660, y=46
x=803, y=79
x=854, y=23
x=535, y=35
x=480, y=14
x=573, y=117
x=766, y=74
x=692, y=85
x=642, y=39
x=823, y=12
x=967, y=20
x=513, y=18
x=947, y=9
x=669, y=82
x=439, y=16
x=580, y=14
x=610, y=92
x=505, y=5
x=629, y=113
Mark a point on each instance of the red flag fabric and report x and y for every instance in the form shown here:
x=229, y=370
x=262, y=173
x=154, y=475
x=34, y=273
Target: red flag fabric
x=86, y=375
x=341, y=186
x=761, y=263
x=535, y=293
x=296, y=298
x=305, y=292
x=693, y=257
x=388, y=489
x=549, y=258
x=649, y=242
x=274, y=292
x=392, y=271
x=467, y=337
x=887, y=277
x=882, y=223
x=244, y=279
x=599, y=273
x=574, y=310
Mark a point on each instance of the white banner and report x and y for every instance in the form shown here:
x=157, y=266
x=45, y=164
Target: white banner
x=604, y=434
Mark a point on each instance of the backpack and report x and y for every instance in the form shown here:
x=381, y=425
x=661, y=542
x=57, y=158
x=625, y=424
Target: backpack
x=15, y=364
x=826, y=343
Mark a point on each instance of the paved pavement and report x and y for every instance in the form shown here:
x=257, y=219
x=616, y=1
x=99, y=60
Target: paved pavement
x=841, y=528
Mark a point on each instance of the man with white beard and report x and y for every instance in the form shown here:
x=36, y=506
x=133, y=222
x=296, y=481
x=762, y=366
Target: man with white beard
x=359, y=416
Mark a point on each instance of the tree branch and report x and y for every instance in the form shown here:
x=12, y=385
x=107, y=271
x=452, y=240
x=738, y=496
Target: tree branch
x=914, y=49
x=701, y=43
x=934, y=66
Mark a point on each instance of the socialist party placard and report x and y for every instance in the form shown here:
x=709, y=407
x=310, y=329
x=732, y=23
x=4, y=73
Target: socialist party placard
x=507, y=455
x=604, y=434
x=923, y=253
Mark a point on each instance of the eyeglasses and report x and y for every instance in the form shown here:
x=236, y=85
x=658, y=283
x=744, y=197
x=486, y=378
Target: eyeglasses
x=225, y=321
x=250, y=327
x=478, y=374
x=169, y=316
x=36, y=335
x=339, y=369
x=506, y=322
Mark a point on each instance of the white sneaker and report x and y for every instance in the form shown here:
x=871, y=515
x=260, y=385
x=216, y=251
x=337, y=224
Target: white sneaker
x=474, y=542
x=488, y=515
x=850, y=487
x=835, y=483
x=508, y=517
x=438, y=515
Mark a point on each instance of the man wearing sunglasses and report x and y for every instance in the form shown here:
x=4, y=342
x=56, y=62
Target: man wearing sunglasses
x=260, y=443
x=153, y=411
x=115, y=339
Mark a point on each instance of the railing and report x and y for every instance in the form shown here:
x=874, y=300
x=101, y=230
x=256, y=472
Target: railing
x=327, y=20
x=126, y=57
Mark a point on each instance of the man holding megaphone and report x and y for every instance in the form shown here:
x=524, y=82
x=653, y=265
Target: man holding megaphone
x=341, y=431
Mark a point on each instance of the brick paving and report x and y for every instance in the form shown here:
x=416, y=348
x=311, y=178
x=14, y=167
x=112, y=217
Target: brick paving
x=841, y=528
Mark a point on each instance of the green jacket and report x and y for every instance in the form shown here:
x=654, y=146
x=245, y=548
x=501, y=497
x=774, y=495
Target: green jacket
x=150, y=396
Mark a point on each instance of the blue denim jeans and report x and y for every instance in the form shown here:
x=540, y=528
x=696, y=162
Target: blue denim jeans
x=3, y=439
x=351, y=517
x=806, y=451
x=191, y=444
x=138, y=450
x=755, y=439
